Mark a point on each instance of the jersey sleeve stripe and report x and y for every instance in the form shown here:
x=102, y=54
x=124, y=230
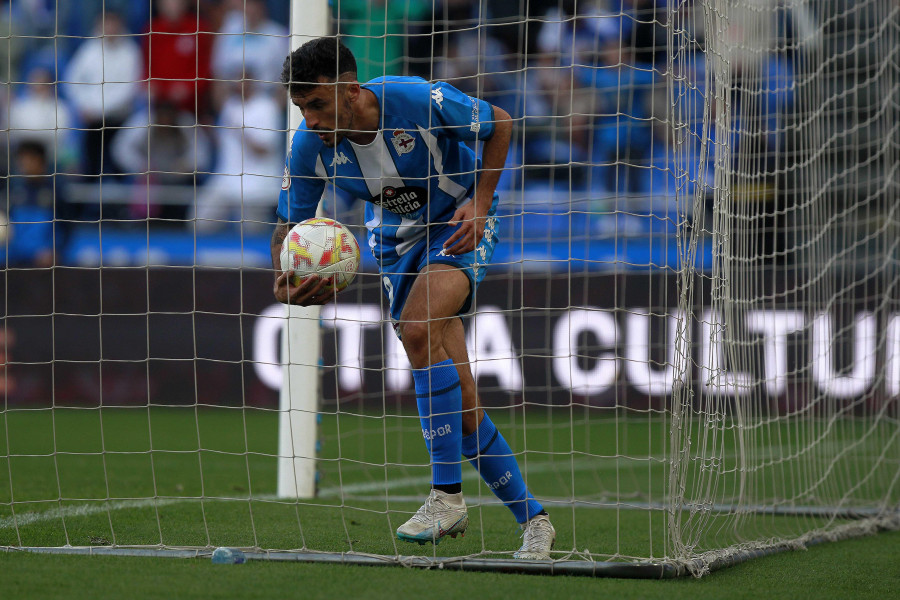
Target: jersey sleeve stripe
x=445, y=184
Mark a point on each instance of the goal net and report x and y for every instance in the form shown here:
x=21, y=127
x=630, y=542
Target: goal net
x=789, y=434
x=689, y=333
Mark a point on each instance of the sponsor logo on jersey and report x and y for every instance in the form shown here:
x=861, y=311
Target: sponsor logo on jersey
x=436, y=433
x=403, y=142
x=476, y=124
x=286, y=180
x=438, y=97
x=504, y=479
x=405, y=201
x=340, y=159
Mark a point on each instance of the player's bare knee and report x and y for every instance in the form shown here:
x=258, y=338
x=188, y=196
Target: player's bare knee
x=422, y=342
x=414, y=335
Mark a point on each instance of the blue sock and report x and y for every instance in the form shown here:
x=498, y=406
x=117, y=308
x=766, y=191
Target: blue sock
x=439, y=398
x=492, y=457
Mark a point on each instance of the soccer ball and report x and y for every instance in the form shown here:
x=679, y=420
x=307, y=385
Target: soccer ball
x=321, y=246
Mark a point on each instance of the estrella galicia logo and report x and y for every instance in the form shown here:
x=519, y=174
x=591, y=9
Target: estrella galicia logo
x=405, y=201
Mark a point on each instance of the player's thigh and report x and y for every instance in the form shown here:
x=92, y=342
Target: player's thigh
x=436, y=295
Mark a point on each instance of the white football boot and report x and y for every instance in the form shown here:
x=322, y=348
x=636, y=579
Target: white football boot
x=538, y=539
x=442, y=514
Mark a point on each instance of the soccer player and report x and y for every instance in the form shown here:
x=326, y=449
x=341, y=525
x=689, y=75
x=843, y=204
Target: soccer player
x=399, y=144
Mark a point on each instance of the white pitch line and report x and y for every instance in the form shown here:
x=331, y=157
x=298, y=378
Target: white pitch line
x=83, y=510
x=599, y=463
x=468, y=475
x=104, y=506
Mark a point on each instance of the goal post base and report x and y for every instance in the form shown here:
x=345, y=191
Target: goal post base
x=636, y=570
x=644, y=569
x=862, y=526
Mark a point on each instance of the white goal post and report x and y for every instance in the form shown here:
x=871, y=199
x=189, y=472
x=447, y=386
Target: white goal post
x=301, y=349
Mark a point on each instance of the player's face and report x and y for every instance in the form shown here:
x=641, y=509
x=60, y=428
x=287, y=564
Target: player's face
x=327, y=109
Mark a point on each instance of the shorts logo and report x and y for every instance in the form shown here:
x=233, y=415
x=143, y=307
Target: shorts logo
x=286, y=180
x=403, y=142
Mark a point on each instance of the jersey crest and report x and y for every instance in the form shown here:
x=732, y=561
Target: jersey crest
x=286, y=180
x=403, y=142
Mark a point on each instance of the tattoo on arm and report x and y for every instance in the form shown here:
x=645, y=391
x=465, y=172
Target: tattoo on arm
x=281, y=231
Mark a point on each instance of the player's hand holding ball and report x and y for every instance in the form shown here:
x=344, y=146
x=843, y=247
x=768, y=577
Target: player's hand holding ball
x=319, y=257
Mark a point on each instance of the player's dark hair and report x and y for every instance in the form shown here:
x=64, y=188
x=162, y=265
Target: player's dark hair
x=324, y=57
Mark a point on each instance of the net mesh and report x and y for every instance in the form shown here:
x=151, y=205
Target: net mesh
x=689, y=333
x=794, y=414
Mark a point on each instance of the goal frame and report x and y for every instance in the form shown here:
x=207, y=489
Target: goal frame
x=299, y=401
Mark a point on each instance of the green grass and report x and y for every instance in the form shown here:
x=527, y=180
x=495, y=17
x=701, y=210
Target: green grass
x=207, y=477
x=214, y=473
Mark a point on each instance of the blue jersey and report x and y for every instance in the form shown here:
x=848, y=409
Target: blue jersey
x=417, y=171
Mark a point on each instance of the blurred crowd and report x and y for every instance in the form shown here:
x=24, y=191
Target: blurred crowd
x=171, y=110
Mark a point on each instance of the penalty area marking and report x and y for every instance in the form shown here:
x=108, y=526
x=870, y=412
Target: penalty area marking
x=103, y=506
x=83, y=510
x=369, y=487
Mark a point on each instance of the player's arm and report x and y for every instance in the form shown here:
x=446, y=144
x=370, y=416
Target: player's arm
x=471, y=216
x=311, y=289
x=298, y=187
